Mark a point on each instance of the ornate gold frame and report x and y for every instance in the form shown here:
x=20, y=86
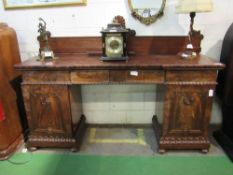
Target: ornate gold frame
x=8, y=7
x=149, y=20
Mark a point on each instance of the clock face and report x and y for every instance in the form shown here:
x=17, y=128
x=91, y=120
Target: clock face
x=114, y=45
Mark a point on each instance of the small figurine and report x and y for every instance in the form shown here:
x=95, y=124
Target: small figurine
x=45, y=53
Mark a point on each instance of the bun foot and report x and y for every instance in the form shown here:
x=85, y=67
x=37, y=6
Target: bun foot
x=32, y=149
x=161, y=151
x=205, y=151
x=74, y=150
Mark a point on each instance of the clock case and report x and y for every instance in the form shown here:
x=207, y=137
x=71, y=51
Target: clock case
x=115, y=30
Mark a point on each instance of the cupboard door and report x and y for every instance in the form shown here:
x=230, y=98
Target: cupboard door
x=187, y=111
x=48, y=109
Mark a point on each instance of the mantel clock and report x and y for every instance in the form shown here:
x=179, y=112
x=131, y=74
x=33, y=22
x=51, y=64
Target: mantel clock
x=114, y=40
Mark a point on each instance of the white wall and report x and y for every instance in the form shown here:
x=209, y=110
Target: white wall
x=118, y=103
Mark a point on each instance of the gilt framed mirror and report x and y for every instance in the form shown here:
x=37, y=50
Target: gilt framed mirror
x=147, y=11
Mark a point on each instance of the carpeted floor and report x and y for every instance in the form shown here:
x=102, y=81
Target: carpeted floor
x=68, y=164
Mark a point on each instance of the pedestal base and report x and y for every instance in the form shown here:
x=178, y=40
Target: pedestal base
x=167, y=142
x=74, y=143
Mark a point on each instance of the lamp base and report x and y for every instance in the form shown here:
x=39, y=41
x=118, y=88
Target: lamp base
x=188, y=53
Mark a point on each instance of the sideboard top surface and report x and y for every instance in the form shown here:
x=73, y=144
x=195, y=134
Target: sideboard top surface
x=85, y=61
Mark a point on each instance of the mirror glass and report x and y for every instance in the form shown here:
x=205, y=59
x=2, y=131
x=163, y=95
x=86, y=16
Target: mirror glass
x=147, y=11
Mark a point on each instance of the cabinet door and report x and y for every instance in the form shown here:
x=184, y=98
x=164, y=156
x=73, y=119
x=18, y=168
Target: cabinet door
x=48, y=109
x=187, y=110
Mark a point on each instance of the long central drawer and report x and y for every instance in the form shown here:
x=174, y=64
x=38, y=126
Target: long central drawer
x=89, y=76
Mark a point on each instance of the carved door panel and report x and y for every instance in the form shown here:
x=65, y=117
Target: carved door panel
x=187, y=111
x=48, y=109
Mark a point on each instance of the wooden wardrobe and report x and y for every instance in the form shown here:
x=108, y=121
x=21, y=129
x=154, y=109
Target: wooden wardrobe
x=10, y=126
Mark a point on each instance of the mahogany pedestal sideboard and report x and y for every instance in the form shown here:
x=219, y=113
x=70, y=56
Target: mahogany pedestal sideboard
x=53, y=101
x=10, y=127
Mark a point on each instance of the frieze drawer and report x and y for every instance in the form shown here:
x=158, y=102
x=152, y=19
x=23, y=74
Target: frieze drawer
x=57, y=77
x=90, y=76
x=191, y=76
x=137, y=76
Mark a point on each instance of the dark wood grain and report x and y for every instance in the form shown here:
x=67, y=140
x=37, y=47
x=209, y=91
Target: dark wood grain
x=49, y=115
x=187, y=111
x=89, y=76
x=46, y=76
x=136, y=76
x=154, y=60
x=191, y=76
x=84, y=61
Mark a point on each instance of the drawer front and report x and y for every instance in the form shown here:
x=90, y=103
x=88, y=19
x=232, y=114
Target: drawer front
x=46, y=77
x=191, y=76
x=90, y=76
x=137, y=76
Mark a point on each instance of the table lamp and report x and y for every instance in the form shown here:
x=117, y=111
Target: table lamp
x=192, y=7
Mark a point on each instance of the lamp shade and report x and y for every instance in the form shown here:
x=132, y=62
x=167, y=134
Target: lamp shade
x=187, y=6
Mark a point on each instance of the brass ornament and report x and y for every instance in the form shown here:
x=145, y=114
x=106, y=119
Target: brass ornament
x=45, y=53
